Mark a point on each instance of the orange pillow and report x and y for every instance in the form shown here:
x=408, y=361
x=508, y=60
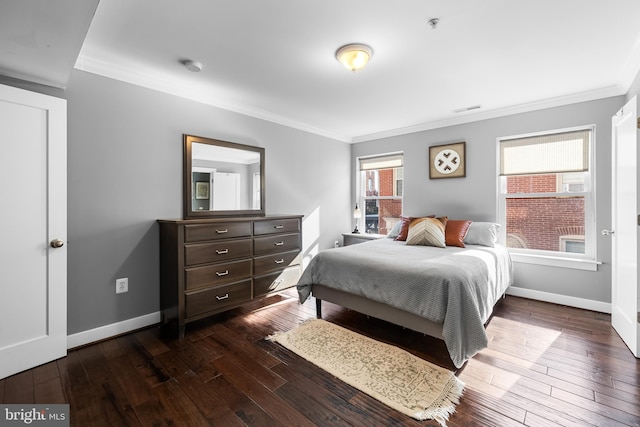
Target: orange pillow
x=455, y=231
x=404, y=228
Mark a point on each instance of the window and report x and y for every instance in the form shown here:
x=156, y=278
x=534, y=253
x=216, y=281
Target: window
x=380, y=182
x=546, y=201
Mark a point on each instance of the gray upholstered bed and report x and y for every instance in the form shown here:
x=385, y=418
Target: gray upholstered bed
x=448, y=293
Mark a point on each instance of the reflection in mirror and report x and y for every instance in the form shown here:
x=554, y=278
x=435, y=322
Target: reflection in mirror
x=223, y=178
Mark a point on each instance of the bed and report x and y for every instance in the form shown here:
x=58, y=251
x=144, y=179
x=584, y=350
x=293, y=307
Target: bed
x=446, y=292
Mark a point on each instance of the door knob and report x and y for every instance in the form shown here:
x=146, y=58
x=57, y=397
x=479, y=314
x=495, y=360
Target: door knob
x=608, y=232
x=57, y=243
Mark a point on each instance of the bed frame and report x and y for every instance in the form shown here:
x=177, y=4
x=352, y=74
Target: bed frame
x=375, y=309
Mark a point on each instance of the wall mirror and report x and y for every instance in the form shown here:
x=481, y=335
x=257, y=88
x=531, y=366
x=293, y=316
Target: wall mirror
x=222, y=178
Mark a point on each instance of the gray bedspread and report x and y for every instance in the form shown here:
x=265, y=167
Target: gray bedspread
x=457, y=287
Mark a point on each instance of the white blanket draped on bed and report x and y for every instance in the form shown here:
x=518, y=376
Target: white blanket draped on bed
x=455, y=286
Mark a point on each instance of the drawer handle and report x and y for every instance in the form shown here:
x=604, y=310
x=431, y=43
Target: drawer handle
x=220, y=298
x=278, y=227
x=222, y=231
x=278, y=261
x=280, y=243
x=222, y=252
x=224, y=273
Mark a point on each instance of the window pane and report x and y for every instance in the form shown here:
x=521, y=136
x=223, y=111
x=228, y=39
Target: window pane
x=546, y=183
x=381, y=215
x=380, y=194
x=544, y=223
x=382, y=182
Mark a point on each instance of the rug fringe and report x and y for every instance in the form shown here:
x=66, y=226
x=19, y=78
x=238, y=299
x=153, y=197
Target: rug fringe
x=275, y=335
x=448, y=403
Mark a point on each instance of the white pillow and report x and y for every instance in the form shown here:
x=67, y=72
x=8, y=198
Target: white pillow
x=395, y=231
x=482, y=233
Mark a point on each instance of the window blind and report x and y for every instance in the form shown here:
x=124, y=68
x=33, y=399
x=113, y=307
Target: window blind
x=557, y=153
x=381, y=162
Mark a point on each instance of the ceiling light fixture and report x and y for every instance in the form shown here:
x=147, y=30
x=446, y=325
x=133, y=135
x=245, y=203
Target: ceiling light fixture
x=193, y=66
x=433, y=22
x=354, y=56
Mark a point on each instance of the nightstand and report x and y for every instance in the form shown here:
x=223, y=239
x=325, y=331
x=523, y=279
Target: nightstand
x=355, y=238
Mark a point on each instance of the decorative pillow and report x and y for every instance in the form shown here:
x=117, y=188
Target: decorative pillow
x=455, y=232
x=395, y=231
x=482, y=233
x=427, y=232
x=405, y=221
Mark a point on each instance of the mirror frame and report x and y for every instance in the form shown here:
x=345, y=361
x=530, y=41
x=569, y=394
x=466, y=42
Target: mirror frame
x=189, y=213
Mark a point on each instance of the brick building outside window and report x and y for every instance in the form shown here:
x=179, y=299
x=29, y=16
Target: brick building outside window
x=380, y=192
x=546, y=193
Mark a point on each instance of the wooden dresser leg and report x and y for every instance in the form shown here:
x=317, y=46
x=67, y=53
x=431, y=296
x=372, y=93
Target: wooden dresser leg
x=318, y=308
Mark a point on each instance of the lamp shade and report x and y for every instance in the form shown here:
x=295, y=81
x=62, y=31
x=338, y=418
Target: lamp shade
x=356, y=212
x=354, y=56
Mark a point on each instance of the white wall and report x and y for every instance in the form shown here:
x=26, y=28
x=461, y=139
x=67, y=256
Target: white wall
x=635, y=88
x=474, y=197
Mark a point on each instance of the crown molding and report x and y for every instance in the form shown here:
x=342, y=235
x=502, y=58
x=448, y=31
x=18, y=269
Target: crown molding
x=180, y=89
x=170, y=86
x=496, y=113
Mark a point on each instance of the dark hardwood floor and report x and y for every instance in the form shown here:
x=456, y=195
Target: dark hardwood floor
x=546, y=365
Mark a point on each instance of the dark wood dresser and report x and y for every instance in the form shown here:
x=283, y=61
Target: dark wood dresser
x=208, y=266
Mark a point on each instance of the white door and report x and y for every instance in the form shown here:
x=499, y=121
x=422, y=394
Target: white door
x=33, y=190
x=624, y=233
x=226, y=191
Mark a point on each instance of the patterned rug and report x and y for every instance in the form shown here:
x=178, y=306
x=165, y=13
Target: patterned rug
x=391, y=375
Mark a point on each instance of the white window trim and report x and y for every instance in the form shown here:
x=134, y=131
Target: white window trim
x=361, y=200
x=586, y=261
x=555, y=261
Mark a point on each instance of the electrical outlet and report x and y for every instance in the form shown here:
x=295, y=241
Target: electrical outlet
x=122, y=285
x=336, y=244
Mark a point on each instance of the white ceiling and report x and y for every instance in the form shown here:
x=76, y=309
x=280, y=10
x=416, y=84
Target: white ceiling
x=275, y=59
x=40, y=40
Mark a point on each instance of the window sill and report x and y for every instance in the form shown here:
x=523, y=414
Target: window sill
x=554, y=261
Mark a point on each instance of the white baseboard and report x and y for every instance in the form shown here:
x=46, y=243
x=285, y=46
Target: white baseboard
x=587, y=304
x=108, y=331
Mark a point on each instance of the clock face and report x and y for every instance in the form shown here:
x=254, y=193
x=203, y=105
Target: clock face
x=447, y=161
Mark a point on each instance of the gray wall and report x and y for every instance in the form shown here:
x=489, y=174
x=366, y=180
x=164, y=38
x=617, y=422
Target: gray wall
x=474, y=197
x=125, y=171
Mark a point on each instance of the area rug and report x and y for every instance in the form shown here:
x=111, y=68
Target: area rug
x=389, y=374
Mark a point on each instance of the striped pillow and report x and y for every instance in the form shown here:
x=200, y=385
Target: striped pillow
x=427, y=232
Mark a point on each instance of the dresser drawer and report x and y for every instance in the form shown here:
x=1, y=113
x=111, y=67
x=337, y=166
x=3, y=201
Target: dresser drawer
x=217, y=298
x=278, y=243
x=276, y=226
x=219, y=230
x=276, y=281
x=216, y=274
x=201, y=253
x=268, y=263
